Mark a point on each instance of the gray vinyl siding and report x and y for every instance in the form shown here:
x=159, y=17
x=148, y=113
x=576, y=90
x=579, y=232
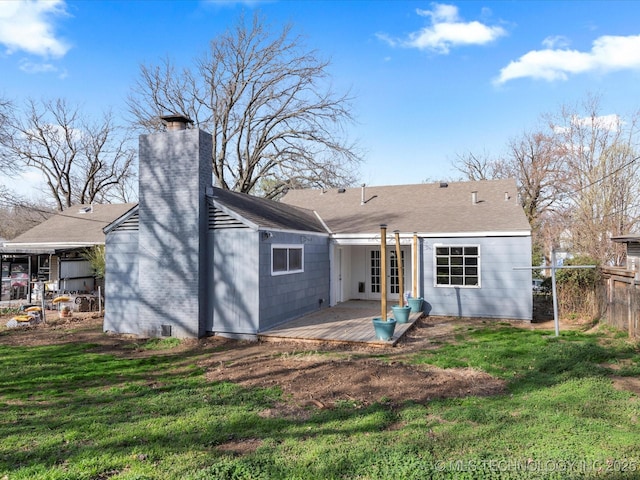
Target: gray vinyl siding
x=285, y=297
x=234, y=306
x=121, y=282
x=504, y=292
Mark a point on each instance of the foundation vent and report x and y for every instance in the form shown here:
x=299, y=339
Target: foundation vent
x=166, y=330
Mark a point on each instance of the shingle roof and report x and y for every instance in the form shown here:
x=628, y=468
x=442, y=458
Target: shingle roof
x=76, y=225
x=422, y=208
x=267, y=213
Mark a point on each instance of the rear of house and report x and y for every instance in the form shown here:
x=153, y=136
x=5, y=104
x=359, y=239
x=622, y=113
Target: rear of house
x=460, y=245
x=193, y=260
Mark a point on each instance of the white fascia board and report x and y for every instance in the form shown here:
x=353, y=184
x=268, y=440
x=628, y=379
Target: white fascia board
x=326, y=227
x=51, y=245
x=507, y=233
x=118, y=221
x=374, y=239
x=367, y=239
x=297, y=232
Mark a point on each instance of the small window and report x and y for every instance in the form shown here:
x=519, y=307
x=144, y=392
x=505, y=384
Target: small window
x=287, y=259
x=457, y=265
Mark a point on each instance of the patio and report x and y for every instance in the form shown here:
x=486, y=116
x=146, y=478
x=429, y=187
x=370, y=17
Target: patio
x=347, y=322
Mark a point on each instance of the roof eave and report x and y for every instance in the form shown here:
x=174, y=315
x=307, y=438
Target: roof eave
x=374, y=238
x=46, y=246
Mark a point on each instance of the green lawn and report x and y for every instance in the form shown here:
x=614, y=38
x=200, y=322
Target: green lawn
x=68, y=413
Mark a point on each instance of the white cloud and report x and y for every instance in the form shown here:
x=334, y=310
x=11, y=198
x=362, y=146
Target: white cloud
x=608, y=53
x=31, y=67
x=611, y=122
x=447, y=30
x=557, y=41
x=27, y=25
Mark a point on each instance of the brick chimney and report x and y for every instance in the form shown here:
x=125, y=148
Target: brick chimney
x=175, y=171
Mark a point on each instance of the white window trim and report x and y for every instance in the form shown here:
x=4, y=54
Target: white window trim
x=435, y=265
x=288, y=246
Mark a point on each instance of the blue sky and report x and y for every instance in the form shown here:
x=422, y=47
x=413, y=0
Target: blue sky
x=431, y=80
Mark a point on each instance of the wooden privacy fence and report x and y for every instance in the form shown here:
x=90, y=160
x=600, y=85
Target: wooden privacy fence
x=621, y=295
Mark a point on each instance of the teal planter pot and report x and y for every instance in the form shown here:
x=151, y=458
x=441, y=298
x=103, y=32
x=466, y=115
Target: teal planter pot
x=415, y=304
x=401, y=314
x=384, y=329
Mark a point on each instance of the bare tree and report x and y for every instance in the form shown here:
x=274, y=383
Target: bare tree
x=17, y=215
x=82, y=161
x=533, y=161
x=7, y=166
x=600, y=153
x=476, y=167
x=275, y=123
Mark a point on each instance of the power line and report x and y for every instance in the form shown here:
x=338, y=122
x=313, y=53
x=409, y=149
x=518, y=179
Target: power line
x=604, y=177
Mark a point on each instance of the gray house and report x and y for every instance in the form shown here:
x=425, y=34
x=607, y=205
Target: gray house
x=469, y=236
x=193, y=260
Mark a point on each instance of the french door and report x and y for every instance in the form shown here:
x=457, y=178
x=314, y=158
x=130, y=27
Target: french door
x=393, y=279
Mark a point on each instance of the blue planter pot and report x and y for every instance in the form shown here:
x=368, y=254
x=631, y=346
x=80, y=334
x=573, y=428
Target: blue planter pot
x=401, y=314
x=384, y=329
x=415, y=304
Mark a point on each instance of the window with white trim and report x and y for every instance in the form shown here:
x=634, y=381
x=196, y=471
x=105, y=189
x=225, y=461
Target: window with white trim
x=287, y=259
x=457, y=265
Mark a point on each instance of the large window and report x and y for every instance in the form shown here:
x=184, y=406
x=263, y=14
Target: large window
x=287, y=259
x=458, y=265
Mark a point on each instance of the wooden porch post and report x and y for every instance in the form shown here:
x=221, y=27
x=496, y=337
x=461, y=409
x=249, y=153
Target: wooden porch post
x=414, y=292
x=400, y=269
x=383, y=270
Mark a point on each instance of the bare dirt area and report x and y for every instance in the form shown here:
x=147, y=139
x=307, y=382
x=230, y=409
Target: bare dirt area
x=309, y=374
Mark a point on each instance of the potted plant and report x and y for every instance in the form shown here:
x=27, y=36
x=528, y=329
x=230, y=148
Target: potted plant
x=384, y=328
x=415, y=303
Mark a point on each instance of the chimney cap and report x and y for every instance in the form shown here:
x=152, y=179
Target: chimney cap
x=176, y=121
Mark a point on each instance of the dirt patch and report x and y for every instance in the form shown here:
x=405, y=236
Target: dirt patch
x=311, y=376
x=80, y=327
x=629, y=384
x=322, y=383
x=240, y=447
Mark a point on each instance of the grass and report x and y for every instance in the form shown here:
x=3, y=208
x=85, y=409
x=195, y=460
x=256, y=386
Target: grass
x=70, y=413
